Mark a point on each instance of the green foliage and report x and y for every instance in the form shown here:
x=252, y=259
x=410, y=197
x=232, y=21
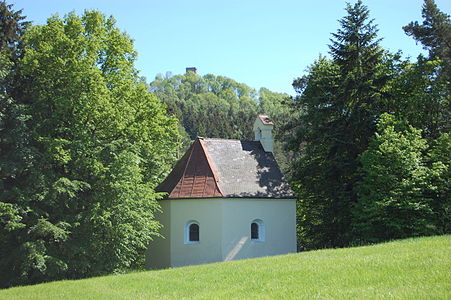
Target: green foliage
x=337, y=105
x=13, y=132
x=417, y=94
x=434, y=74
x=101, y=144
x=12, y=26
x=274, y=104
x=373, y=272
x=83, y=142
x=438, y=160
x=434, y=33
x=211, y=106
x=15, y=151
x=346, y=196
x=405, y=170
x=391, y=201
x=435, y=36
x=277, y=107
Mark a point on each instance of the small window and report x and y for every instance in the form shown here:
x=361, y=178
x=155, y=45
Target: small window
x=254, y=231
x=192, y=232
x=257, y=231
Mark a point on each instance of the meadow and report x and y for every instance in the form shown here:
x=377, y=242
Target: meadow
x=416, y=268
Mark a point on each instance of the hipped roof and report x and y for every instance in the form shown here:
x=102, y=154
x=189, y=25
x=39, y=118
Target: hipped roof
x=226, y=168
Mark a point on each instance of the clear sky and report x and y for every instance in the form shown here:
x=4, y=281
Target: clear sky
x=261, y=43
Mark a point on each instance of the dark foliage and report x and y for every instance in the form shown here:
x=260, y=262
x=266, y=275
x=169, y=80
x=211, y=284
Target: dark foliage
x=339, y=100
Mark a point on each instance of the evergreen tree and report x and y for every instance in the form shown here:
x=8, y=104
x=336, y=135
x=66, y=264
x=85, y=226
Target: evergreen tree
x=434, y=33
x=16, y=154
x=13, y=133
x=339, y=102
x=435, y=36
x=13, y=25
x=402, y=191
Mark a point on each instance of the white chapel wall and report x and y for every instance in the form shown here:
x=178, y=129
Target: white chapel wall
x=158, y=253
x=225, y=226
x=279, y=220
x=207, y=213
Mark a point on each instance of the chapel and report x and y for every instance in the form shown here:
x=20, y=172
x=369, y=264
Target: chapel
x=225, y=200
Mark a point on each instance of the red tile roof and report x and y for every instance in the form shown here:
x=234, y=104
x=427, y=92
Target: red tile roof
x=193, y=176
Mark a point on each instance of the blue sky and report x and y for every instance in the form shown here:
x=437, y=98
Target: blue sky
x=260, y=43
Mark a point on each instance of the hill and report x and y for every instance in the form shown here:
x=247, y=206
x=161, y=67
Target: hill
x=407, y=269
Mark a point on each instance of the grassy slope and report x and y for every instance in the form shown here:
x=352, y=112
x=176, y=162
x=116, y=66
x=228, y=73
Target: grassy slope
x=412, y=269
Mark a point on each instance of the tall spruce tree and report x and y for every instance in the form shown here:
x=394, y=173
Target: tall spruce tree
x=340, y=100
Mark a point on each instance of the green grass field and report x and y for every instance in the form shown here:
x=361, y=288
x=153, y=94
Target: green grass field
x=408, y=269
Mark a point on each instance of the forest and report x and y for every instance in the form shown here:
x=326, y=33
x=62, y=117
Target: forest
x=84, y=140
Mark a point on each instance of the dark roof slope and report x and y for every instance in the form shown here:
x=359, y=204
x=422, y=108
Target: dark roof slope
x=226, y=168
x=246, y=170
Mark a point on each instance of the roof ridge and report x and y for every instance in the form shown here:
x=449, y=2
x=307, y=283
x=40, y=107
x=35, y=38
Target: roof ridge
x=224, y=139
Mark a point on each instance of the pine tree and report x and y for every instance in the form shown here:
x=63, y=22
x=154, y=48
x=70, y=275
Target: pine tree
x=435, y=36
x=434, y=33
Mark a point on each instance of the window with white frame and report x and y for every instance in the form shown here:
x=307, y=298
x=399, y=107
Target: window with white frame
x=257, y=231
x=192, y=232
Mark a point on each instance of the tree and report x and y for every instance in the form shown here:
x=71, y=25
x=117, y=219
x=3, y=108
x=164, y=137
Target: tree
x=102, y=141
x=212, y=106
x=12, y=28
x=15, y=151
x=13, y=133
x=419, y=96
x=435, y=92
x=438, y=160
x=338, y=104
x=434, y=33
x=392, y=202
x=274, y=104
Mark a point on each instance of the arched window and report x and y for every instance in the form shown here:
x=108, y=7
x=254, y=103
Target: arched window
x=257, y=231
x=192, y=230
x=254, y=231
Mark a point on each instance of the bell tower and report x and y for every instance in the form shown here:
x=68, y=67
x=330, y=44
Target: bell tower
x=263, y=126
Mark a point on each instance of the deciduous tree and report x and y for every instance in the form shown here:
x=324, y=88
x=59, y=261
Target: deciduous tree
x=392, y=202
x=103, y=142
